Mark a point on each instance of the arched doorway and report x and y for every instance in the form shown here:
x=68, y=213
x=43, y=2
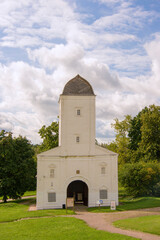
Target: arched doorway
x=79, y=190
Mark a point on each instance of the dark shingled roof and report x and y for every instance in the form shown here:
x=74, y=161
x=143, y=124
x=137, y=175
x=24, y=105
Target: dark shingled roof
x=78, y=86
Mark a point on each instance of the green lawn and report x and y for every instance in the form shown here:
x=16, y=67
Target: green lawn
x=131, y=204
x=149, y=224
x=26, y=194
x=29, y=193
x=45, y=228
x=15, y=210
x=57, y=228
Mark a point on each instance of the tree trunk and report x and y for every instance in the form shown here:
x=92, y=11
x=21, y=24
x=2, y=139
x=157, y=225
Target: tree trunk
x=5, y=198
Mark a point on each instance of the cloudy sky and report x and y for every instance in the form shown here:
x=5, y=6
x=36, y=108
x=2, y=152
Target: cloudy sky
x=114, y=44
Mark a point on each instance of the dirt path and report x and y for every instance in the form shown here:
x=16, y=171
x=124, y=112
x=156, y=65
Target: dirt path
x=32, y=207
x=103, y=221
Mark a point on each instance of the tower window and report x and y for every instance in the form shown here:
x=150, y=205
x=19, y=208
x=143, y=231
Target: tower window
x=52, y=173
x=78, y=112
x=77, y=139
x=103, y=170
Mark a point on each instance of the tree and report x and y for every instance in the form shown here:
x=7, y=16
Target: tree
x=138, y=146
x=140, y=179
x=150, y=134
x=24, y=152
x=6, y=159
x=134, y=132
x=17, y=166
x=122, y=140
x=110, y=146
x=138, y=138
x=50, y=136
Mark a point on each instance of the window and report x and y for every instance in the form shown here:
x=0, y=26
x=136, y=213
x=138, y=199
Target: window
x=52, y=197
x=77, y=139
x=103, y=194
x=78, y=112
x=51, y=173
x=103, y=170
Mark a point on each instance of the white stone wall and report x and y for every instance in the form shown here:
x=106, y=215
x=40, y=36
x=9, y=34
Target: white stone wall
x=72, y=125
x=65, y=173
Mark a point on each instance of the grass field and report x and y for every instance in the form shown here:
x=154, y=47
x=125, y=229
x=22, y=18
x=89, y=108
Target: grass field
x=29, y=193
x=149, y=224
x=15, y=210
x=26, y=194
x=54, y=228
x=131, y=204
x=45, y=228
x=70, y=228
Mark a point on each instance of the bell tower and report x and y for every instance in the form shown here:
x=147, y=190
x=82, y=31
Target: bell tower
x=77, y=118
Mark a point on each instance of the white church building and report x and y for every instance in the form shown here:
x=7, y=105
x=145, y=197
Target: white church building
x=77, y=167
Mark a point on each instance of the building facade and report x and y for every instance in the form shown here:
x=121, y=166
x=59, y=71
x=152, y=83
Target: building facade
x=77, y=167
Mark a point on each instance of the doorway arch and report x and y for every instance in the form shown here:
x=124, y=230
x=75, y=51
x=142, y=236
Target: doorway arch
x=79, y=190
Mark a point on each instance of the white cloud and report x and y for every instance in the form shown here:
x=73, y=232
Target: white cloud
x=60, y=54
x=29, y=98
x=62, y=44
x=30, y=23
x=125, y=18
x=129, y=62
x=153, y=50
x=70, y=60
x=38, y=23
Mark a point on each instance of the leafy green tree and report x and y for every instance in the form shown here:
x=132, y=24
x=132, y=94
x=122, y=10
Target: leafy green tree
x=17, y=166
x=140, y=179
x=150, y=134
x=138, y=145
x=156, y=189
x=138, y=138
x=134, y=132
x=50, y=136
x=110, y=146
x=24, y=152
x=122, y=141
x=6, y=160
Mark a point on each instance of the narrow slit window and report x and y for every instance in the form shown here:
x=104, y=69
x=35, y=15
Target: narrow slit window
x=103, y=170
x=77, y=139
x=51, y=173
x=78, y=112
